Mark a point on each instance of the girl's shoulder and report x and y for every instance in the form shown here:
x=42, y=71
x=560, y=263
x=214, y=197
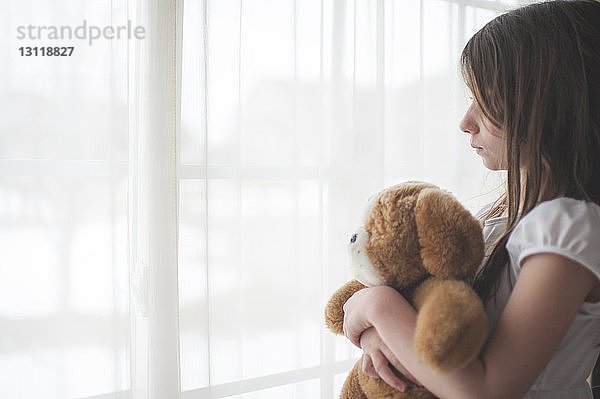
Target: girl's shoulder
x=563, y=225
x=569, y=208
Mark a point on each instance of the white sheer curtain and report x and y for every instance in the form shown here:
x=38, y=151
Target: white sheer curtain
x=174, y=211
x=64, y=274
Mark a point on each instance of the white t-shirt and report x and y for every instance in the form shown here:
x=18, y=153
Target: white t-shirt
x=570, y=228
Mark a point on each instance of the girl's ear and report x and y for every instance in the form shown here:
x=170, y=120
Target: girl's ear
x=451, y=238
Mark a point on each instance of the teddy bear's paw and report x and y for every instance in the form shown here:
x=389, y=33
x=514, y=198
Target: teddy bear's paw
x=451, y=326
x=449, y=352
x=352, y=388
x=334, y=310
x=376, y=388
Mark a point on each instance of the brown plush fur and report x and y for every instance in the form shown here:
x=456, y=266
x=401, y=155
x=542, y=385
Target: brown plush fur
x=422, y=242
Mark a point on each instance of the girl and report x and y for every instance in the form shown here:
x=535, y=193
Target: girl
x=534, y=74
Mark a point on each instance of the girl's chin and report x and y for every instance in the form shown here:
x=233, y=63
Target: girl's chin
x=492, y=165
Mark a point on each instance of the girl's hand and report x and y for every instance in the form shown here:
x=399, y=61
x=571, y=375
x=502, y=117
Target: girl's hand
x=360, y=306
x=377, y=358
x=355, y=314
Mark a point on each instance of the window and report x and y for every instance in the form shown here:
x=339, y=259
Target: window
x=292, y=114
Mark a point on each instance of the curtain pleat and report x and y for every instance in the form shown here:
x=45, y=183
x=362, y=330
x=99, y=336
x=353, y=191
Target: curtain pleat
x=155, y=78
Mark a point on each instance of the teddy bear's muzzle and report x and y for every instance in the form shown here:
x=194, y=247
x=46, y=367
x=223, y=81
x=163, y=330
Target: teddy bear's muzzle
x=361, y=265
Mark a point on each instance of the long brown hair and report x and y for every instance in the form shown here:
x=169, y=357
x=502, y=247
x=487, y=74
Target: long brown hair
x=535, y=74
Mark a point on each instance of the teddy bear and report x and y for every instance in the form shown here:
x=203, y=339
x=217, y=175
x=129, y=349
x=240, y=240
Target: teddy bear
x=418, y=239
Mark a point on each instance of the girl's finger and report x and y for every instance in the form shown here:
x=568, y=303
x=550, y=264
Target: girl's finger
x=367, y=366
x=351, y=331
x=384, y=371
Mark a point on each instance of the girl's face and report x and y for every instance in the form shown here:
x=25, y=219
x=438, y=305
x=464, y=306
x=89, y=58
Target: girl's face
x=486, y=139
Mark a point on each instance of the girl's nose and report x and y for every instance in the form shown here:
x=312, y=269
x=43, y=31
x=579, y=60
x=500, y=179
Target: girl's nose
x=468, y=124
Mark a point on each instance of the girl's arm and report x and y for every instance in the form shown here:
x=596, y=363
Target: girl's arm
x=546, y=297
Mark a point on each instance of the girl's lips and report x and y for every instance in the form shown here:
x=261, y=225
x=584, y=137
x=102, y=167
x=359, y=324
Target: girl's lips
x=477, y=149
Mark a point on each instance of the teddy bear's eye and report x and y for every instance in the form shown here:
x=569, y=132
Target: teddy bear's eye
x=353, y=239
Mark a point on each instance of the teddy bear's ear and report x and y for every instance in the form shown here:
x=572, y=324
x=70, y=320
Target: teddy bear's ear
x=450, y=237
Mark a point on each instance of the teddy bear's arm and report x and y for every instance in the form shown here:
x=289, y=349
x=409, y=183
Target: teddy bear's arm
x=334, y=311
x=451, y=324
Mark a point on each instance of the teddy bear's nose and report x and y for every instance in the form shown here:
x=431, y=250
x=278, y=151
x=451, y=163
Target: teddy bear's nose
x=353, y=239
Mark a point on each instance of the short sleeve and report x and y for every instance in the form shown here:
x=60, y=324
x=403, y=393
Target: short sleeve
x=564, y=226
